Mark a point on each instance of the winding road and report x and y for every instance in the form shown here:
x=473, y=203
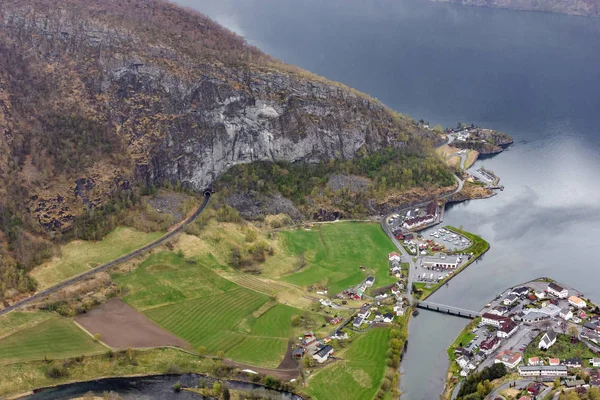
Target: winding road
x=103, y=267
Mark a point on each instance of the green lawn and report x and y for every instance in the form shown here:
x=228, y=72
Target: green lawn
x=334, y=253
x=79, y=256
x=55, y=338
x=561, y=349
x=358, y=375
x=463, y=338
x=166, y=278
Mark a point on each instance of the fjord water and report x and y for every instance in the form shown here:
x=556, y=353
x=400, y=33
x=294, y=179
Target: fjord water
x=535, y=76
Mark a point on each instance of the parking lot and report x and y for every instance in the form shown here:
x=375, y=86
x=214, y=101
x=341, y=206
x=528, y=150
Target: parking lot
x=428, y=274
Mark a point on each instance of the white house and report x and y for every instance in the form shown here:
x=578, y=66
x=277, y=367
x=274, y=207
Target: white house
x=557, y=291
x=510, y=299
x=364, y=312
x=577, y=302
x=499, y=310
x=462, y=362
x=357, y=322
x=520, y=291
x=507, y=330
x=509, y=358
x=595, y=362
x=388, y=317
x=399, y=309
x=369, y=281
x=540, y=294
x=394, y=257
x=547, y=340
x=323, y=354
x=566, y=313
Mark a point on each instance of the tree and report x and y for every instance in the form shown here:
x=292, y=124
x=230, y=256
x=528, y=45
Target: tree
x=438, y=129
x=594, y=393
x=201, y=351
x=556, y=383
x=220, y=354
x=97, y=337
x=216, y=389
x=573, y=331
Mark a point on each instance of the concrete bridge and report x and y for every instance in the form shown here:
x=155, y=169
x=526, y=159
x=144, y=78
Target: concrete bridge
x=442, y=308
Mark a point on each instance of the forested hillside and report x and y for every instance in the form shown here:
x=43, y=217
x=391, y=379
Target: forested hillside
x=101, y=100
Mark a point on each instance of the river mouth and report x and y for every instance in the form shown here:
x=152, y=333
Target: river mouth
x=151, y=387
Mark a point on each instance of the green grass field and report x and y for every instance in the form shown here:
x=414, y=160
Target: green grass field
x=334, y=253
x=54, y=338
x=225, y=322
x=358, y=375
x=79, y=256
x=167, y=278
x=17, y=320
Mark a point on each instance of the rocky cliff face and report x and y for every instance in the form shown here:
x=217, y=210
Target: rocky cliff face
x=589, y=8
x=158, y=94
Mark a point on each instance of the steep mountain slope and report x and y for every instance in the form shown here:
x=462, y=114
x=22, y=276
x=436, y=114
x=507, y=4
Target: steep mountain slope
x=99, y=96
x=589, y=8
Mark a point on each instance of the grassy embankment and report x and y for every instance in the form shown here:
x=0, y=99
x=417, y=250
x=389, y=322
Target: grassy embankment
x=478, y=247
x=79, y=256
x=18, y=378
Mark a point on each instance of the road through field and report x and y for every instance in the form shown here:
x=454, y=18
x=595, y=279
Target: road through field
x=112, y=263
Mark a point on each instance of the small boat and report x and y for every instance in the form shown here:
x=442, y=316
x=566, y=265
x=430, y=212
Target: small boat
x=415, y=313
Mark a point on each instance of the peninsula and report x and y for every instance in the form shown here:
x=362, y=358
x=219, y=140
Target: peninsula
x=539, y=339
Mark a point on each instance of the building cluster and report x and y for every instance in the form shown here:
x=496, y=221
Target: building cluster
x=430, y=215
x=319, y=350
x=522, y=306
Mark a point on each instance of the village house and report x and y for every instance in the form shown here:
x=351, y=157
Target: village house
x=595, y=362
x=557, y=291
x=308, y=338
x=507, y=329
x=494, y=320
x=543, y=371
x=357, y=322
x=298, y=353
x=323, y=354
x=540, y=294
x=509, y=358
x=535, y=361
x=574, y=362
x=339, y=335
x=510, y=299
x=499, y=310
x=369, y=281
x=462, y=362
x=393, y=256
x=399, y=309
x=418, y=221
x=364, y=312
x=520, y=291
x=489, y=345
x=577, y=302
x=547, y=340
x=566, y=313
x=378, y=317
x=553, y=362
x=388, y=317
x=534, y=388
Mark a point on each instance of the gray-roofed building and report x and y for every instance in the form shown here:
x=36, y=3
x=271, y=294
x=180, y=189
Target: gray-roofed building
x=547, y=340
x=323, y=354
x=440, y=262
x=543, y=370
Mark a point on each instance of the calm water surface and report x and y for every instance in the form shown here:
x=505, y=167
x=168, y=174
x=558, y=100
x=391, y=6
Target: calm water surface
x=532, y=75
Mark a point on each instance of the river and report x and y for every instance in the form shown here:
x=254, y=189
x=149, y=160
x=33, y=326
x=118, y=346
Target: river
x=532, y=75
x=151, y=387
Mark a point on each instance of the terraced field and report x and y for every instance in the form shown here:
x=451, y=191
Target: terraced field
x=266, y=286
x=335, y=252
x=54, y=338
x=358, y=375
x=167, y=278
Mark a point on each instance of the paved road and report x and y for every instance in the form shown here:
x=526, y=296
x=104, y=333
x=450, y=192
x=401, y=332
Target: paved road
x=112, y=263
x=521, y=383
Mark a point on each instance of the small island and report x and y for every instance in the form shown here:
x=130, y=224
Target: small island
x=539, y=339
